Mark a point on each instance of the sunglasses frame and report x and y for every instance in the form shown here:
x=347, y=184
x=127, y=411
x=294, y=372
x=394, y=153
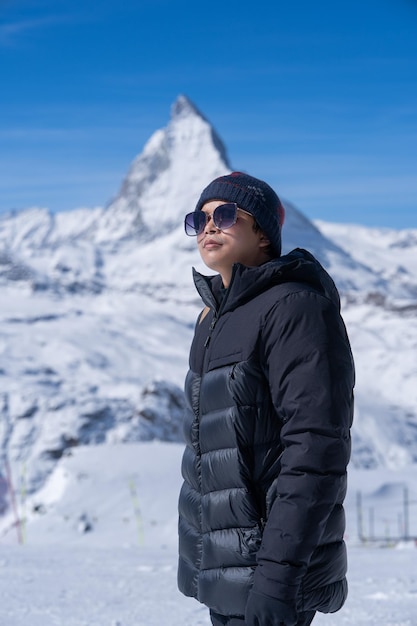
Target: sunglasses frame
x=217, y=223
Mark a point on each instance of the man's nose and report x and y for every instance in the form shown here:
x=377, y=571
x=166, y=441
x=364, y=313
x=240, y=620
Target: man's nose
x=210, y=225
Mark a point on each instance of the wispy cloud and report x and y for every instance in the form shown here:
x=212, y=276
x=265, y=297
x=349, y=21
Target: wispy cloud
x=11, y=32
x=45, y=134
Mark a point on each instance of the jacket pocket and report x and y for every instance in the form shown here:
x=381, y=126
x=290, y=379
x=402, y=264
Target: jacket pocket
x=225, y=359
x=250, y=541
x=271, y=495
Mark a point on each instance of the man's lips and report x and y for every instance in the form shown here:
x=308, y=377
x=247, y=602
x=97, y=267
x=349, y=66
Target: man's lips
x=211, y=243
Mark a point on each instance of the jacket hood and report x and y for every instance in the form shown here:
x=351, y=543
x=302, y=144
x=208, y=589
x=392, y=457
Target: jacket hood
x=298, y=266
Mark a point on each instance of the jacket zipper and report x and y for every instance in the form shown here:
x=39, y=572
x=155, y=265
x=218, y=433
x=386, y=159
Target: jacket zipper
x=211, y=328
x=217, y=313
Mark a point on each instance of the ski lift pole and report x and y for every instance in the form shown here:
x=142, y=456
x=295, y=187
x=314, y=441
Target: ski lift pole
x=13, y=499
x=359, y=514
x=136, y=509
x=406, y=514
x=23, y=502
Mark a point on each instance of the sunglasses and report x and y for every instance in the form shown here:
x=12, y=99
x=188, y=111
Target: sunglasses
x=223, y=216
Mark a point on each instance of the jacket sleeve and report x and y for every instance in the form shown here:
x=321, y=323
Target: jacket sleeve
x=310, y=369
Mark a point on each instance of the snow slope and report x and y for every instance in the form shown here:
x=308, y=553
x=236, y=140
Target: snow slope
x=98, y=308
x=100, y=546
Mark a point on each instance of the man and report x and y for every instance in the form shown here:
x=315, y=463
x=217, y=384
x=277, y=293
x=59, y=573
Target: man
x=270, y=401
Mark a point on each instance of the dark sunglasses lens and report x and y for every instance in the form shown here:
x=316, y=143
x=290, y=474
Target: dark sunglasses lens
x=225, y=216
x=194, y=223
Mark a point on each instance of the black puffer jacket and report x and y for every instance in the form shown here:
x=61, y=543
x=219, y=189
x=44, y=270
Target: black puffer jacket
x=270, y=402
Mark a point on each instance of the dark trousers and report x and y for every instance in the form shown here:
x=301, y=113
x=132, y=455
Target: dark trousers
x=304, y=619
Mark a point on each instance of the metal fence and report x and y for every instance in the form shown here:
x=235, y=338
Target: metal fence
x=388, y=519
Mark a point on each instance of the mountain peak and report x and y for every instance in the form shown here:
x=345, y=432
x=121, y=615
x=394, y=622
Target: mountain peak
x=183, y=107
x=168, y=176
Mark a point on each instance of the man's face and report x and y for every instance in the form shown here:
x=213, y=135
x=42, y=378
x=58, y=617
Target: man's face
x=240, y=243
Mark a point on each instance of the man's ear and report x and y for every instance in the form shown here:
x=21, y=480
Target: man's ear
x=263, y=240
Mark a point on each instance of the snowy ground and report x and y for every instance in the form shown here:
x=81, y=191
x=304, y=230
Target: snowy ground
x=99, y=546
x=137, y=587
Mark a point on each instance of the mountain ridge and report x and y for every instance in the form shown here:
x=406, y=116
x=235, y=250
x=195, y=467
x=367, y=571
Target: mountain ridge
x=99, y=308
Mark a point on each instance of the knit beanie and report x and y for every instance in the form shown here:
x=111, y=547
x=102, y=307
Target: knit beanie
x=252, y=195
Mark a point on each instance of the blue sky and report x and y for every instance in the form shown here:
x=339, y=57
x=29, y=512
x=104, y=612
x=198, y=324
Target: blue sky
x=318, y=98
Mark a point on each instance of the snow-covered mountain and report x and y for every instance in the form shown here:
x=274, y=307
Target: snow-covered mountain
x=98, y=307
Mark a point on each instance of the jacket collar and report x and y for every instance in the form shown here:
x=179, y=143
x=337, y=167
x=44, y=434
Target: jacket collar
x=247, y=282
